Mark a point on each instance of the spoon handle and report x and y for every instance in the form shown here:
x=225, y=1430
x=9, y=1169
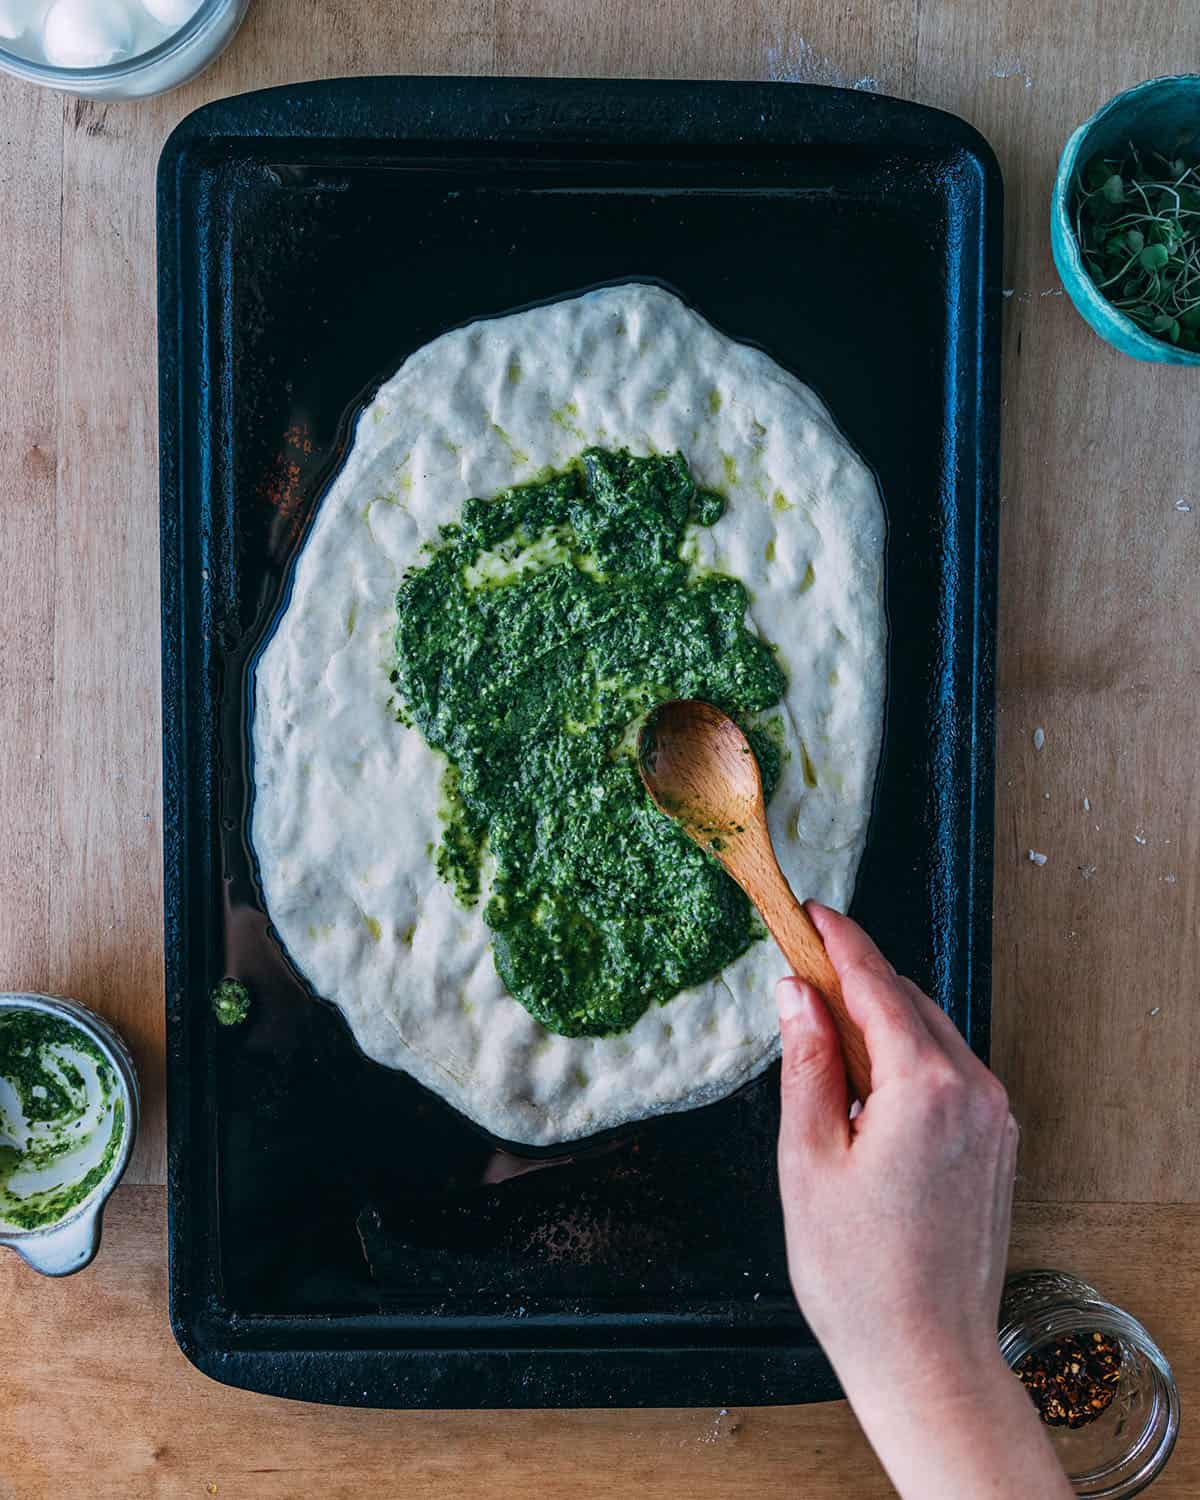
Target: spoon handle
x=792, y=928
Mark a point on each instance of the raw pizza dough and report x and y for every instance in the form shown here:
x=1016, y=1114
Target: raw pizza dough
x=346, y=799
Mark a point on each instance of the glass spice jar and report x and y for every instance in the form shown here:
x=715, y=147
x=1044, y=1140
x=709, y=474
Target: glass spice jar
x=1126, y=1445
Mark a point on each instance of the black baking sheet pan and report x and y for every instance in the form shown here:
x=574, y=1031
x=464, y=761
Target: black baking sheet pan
x=336, y=1232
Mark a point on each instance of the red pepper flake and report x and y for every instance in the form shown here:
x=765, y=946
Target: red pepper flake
x=284, y=487
x=297, y=437
x=1072, y=1380
x=281, y=488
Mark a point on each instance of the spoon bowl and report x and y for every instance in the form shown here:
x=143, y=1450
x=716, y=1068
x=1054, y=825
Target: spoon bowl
x=700, y=770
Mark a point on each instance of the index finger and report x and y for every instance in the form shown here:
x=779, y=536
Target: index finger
x=896, y=1036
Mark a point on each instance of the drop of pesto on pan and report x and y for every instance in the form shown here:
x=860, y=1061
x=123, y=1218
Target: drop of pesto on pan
x=62, y=1119
x=230, y=1002
x=544, y=624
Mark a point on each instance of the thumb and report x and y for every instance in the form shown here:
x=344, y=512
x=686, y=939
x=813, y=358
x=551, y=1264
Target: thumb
x=815, y=1103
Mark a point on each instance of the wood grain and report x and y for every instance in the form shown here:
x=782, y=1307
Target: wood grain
x=1097, y=953
x=30, y=189
x=106, y=718
x=92, y=1384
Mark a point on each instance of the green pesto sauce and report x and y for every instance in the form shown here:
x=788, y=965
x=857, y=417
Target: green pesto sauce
x=54, y=1107
x=543, y=625
x=230, y=1002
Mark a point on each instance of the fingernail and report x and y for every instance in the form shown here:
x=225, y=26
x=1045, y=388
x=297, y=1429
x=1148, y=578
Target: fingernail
x=796, y=1000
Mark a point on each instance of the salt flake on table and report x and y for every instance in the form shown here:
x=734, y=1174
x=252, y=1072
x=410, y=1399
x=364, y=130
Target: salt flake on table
x=1039, y=737
x=1139, y=838
x=1012, y=67
x=1037, y=858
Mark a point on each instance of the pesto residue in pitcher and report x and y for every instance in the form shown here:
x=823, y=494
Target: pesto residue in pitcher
x=62, y=1118
x=543, y=625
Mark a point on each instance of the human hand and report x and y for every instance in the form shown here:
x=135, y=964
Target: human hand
x=897, y=1228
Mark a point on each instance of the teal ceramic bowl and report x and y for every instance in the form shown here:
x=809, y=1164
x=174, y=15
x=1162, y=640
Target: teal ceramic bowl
x=1163, y=113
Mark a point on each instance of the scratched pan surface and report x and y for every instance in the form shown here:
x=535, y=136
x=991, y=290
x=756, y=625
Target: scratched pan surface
x=337, y=1233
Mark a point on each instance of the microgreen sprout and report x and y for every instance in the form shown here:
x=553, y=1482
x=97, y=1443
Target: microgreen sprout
x=1137, y=220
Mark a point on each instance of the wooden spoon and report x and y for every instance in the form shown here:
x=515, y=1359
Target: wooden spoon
x=700, y=770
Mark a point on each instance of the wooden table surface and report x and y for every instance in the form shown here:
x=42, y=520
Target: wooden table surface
x=1097, y=954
